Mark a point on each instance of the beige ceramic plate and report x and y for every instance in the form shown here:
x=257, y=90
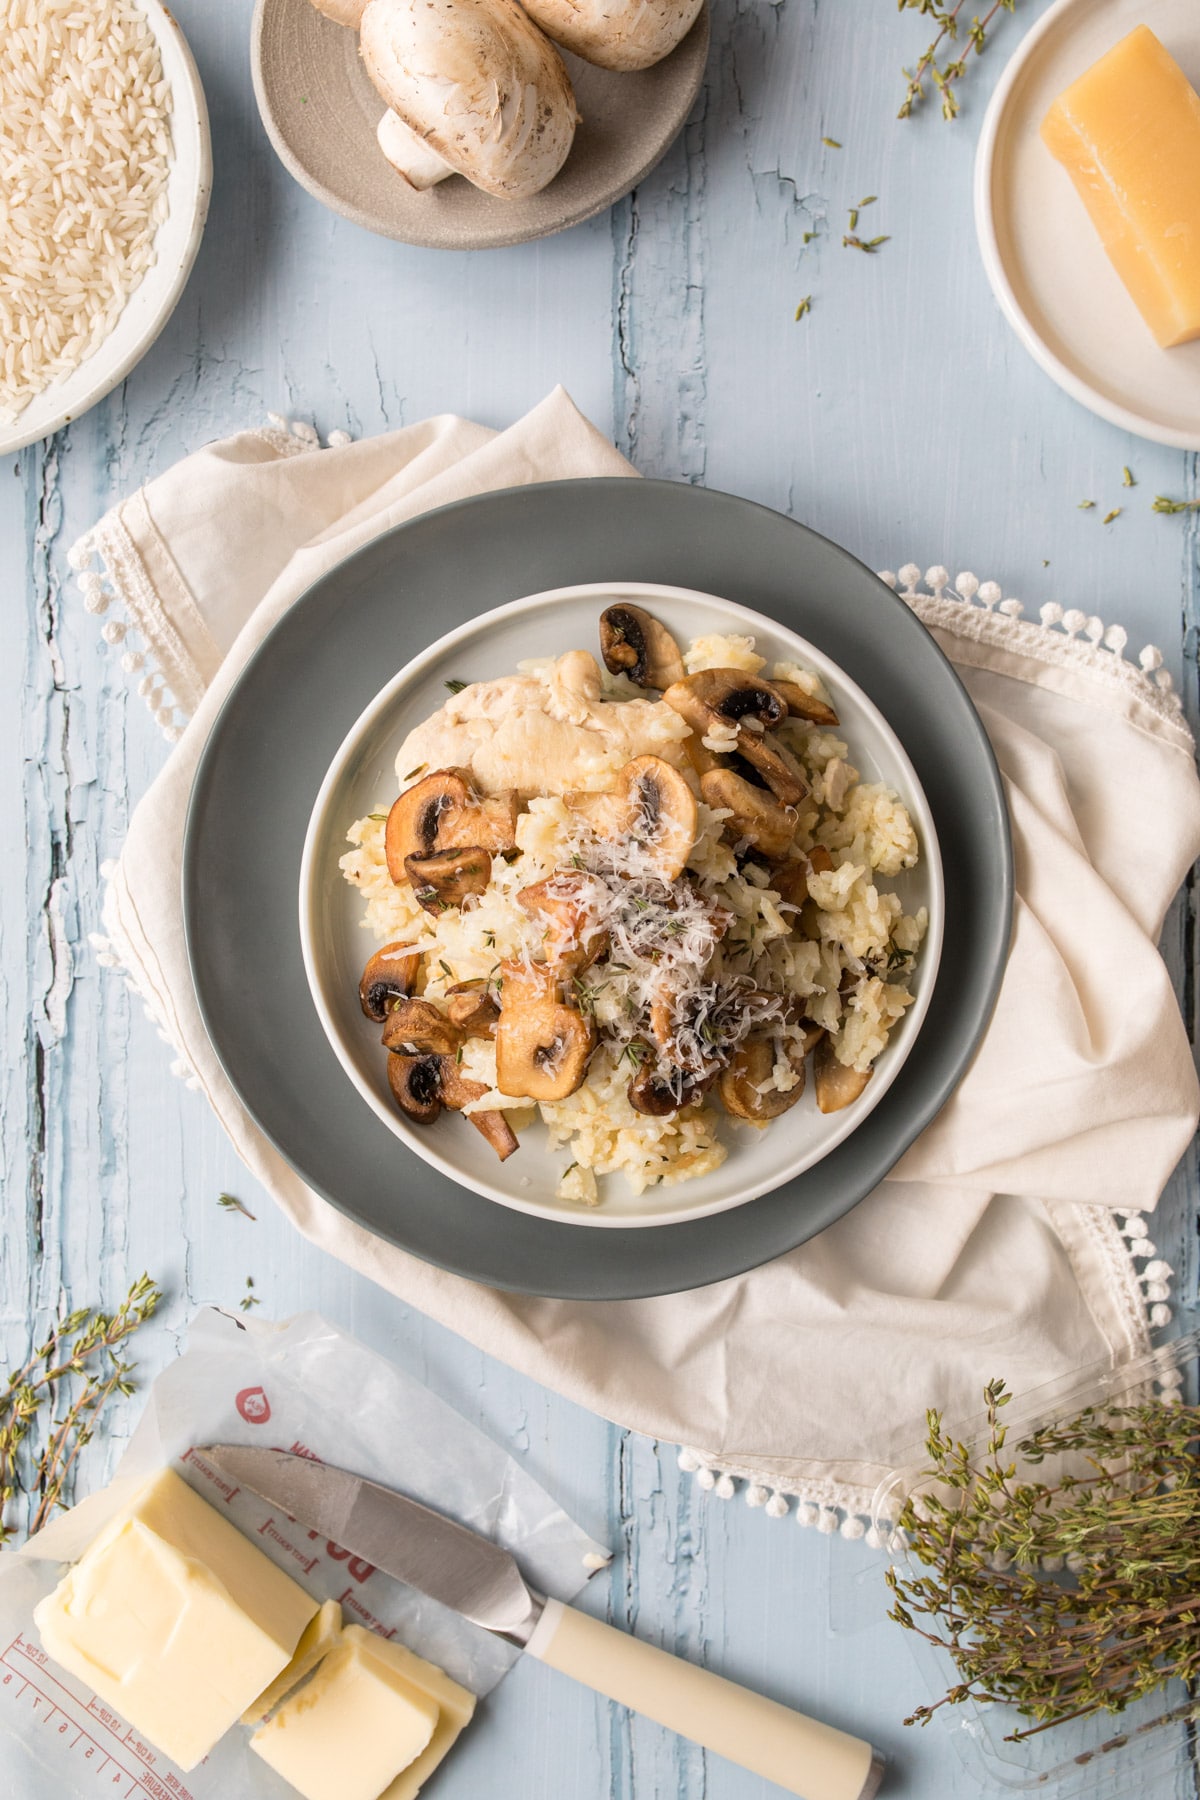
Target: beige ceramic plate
x=321, y=112
x=1042, y=254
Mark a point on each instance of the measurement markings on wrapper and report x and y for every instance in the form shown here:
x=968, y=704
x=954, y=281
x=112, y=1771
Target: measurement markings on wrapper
x=88, y=1731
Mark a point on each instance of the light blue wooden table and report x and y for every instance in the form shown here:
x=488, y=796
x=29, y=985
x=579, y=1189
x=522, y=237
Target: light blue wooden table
x=900, y=417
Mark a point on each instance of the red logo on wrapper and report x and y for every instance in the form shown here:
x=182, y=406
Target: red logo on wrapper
x=253, y=1405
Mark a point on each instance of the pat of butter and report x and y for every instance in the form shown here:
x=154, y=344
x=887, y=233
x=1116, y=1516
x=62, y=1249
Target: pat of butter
x=1128, y=134
x=320, y=1637
x=174, y=1619
x=352, y=1728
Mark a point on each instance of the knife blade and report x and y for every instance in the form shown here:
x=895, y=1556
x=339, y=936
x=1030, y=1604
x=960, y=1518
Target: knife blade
x=464, y=1570
x=481, y=1581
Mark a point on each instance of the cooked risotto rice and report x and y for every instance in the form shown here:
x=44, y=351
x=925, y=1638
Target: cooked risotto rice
x=848, y=972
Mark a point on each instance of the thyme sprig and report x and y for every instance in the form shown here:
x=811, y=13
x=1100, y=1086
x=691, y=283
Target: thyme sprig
x=1123, y=1518
x=943, y=78
x=1163, y=504
x=78, y=1368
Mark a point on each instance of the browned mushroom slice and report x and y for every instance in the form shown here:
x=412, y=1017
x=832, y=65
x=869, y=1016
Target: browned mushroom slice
x=414, y=822
x=835, y=1084
x=758, y=818
x=805, y=706
x=724, y=697
x=659, y=812
x=819, y=860
x=746, y=1074
x=418, y=1027
x=734, y=696
x=657, y=1098
x=448, y=877
x=562, y=901
x=633, y=643
x=776, y=765
x=443, y=812
x=471, y=1009
x=457, y=1091
x=542, y=1045
x=391, y=974
x=415, y=1082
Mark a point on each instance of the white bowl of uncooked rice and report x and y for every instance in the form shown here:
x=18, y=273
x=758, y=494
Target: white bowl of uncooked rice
x=105, y=174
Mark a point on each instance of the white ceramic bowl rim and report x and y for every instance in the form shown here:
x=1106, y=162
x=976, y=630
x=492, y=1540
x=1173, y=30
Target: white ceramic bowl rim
x=755, y=624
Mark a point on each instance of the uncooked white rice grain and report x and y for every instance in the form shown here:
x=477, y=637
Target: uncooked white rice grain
x=85, y=152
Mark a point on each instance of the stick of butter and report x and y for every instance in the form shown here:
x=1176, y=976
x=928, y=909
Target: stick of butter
x=374, y=1721
x=174, y=1619
x=1128, y=134
x=320, y=1637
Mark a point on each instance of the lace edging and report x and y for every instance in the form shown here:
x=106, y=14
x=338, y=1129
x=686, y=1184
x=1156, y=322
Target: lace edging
x=112, y=582
x=978, y=610
x=844, y=1510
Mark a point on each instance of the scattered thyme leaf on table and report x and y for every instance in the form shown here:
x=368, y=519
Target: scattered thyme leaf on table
x=1122, y=1516
x=231, y=1203
x=1164, y=505
x=77, y=1369
x=943, y=78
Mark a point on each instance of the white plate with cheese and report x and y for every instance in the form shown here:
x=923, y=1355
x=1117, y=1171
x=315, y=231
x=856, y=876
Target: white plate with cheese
x=1042, y=254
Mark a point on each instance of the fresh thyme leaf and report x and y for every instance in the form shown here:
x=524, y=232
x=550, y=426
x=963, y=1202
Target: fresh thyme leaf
x=413, y=773
x=1120, y=1508
x=249, y=1298
x=456, y=687
x=1114, y=514
x=831, y=142
x=447, y=971
x=1127, y=478
x=943, y=78
x=808, y=237
x=76, y=1368
x=869, y=201
x=232, y=1204
x=853, y=218
x=869, y=245
x=1163, y=505
x=1086, y=505
x=805, y=306
x=379, y=818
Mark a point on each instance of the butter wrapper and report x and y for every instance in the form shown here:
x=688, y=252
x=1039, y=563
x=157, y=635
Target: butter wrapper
x=304, y=1386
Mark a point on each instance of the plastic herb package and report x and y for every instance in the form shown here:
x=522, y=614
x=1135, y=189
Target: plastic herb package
x=1052, y=1538
x=303, y=1386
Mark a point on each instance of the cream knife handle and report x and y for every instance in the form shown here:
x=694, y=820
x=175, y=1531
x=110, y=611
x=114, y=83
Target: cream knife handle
x=801, y=1755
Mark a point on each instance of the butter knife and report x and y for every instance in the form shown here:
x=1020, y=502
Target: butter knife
x=481, y=1581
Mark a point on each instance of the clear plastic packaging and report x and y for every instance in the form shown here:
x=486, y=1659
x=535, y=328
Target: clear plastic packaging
x=301, y=1385
x=1106, y=1756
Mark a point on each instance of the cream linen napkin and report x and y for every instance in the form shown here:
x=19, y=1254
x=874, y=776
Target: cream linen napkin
x=995, y=1249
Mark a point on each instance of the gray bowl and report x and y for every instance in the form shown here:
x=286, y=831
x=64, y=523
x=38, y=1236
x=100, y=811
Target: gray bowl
x=317, y=670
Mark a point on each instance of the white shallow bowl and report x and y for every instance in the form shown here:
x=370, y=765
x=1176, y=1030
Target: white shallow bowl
x=362, y=779
x=1042, y=254
x=148, y=308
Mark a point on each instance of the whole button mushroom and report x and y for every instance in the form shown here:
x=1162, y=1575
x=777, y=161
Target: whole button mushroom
x=617, y=34
x=478, y=84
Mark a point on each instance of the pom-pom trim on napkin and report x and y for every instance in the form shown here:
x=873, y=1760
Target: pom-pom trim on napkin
x=113, y=583
x=978, y=610
x=834, y=1509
